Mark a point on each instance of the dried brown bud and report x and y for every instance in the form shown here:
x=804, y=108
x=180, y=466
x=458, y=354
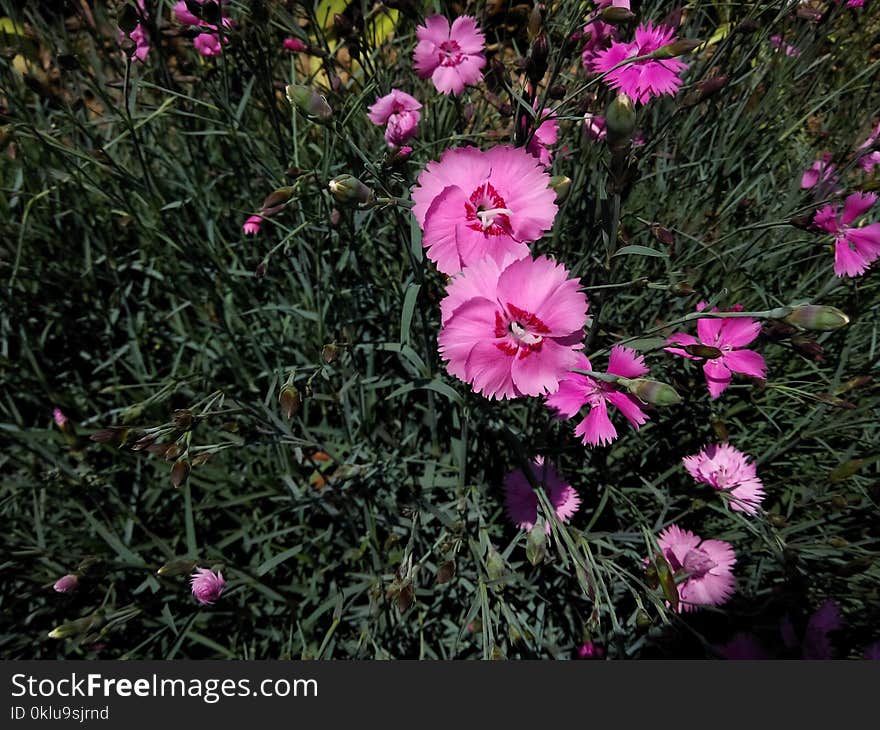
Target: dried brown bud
x=330, y=352
x=706, y=351
x=183, y=419
x=180, y=472
x=290, y=401
x=446, y=572
x=682, y=289
x=276, y=200
x=557, y=92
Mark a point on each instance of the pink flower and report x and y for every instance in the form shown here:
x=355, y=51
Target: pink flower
x=294, y=45
x=473, y=204
x=452, y=57
x=869, y=159
x=66, y=583
x=728, y=470
x=855, y=248
x=545, y=135
x=577, y=390
x=779, y=44
x=822, y=173
x=512, y=329
x=594, y=127
x=815, y=644
x=589, y=650
x=522, y=502
x=400, y=112
x=641, y=80
x=598, y=37
x=59, y=418
x=139, y=35
x=704, y=567
x=208, y=44
x=183, y=14
x=207, y=585
x=729, y=336
x=252, y=225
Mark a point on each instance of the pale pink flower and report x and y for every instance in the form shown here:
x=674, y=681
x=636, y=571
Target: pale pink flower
x=522, y=502
x=641, y=80
x=577, y=390
x=855, y=248
x=207, y=585
x=59, y=418
x=473, y=204
x=400, y=112
x=870, y=158
x=294, y=45
x=512, y=329
x=451, y=56
x=729, y=470
x=594, y=127
x=66, y=583
x=208, y=44
x=545, y=135
x=703, y=567
x=815, y=643
x=252, y=225
x=821, y=174
x=728, y=335
x=780, y=45
x=589, y=650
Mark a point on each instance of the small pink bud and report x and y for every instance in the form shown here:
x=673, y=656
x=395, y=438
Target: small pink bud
x=207, y=585
x=60, y=418
x=589, y=650
x=252, y=225
x=66, y=583
x=294, y=45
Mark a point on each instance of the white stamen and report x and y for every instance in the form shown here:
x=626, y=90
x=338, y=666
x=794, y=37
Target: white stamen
x=487, y=217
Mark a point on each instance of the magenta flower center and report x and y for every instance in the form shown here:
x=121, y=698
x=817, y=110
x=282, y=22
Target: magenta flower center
x=486, y=211
x=696, y=563
x=519, y=333
x=450, y=53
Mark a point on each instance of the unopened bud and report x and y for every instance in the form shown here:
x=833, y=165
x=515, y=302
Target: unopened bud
x=329, y=353
x=276, y=200
x=66, y=583
x=181, y=566
x=557, y=92
x=446, y=572
x=180, y=472
x=706, y=351
x=495, y=567
x=183, y=419
x=309, y=102
x=290, y=401
x=561, y=185
x=615, y=15
x=676, y=48
x=620, y=119
x=808, y=347
x=536, y=543
x=682, y=289
x=817, y=317
x=667, y=582
x=127, y=20
x=712, y=86
x=347, y=189
x=651, y=391
x=536, y=22
x=113, y=435
x=536, y=64
x=75, y=628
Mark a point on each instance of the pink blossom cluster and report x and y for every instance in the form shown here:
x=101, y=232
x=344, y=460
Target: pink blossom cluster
x=208, y=41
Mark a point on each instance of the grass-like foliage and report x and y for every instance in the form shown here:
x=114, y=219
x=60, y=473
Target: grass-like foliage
x=274, y=406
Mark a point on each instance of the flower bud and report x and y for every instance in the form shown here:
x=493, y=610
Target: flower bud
x=181, y=566
x=330, y=352
x=651, y=391
x=620, y=119
x=557, y=92
x=309, y=102
x=127, y=19
x=66, y=583
x=183, y=419
x=536, y=22
x=817, y=317
x=290, y=401
x=561, y=185
x=536, y=64
x=180, y=472
x=682, y=289
x=706, y=351
x=495, y=567
x=446, y=572
x=116, y=435
x=536, y=543
x=75, y=628
x=347, y=189
x=615, y=15
x=676, y=48
x=276, y=200
x=667, y=582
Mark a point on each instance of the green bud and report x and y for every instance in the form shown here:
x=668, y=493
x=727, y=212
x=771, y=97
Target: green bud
x=75, y=628
x=181, y=566
x=561, y=185
x=495, y=567
x=682, y=289
x=667, y=582
x=329, y=353
x=276, y=200
x=536, y=22
x=615, y=15
x=290, y=401
x=707, y=351
x=651, y=391
x=620, y=119
x=536, y=543
x=817, y=317
x=678, y=48
x=309, y=102
x=347, y=189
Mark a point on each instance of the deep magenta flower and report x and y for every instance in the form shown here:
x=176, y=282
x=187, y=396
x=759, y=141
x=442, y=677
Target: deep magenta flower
x=207, y=585
x=641, y=80
x=728, y=336
x=855, y=247
x=522, y=502
x=815, y=643
x=400, y=113
x=512, y=329
x=473, y=204
x=590, y=650
x=728, y=470
x=208, y=42
x=594, y=127
x=66, y=583
x=577, y=390
x=822, y=174
x=452, y=57
x=294, y=45
x=703, y=568
x=597, y=36
x=869, y=157
x=139, y=35
x=251, y=226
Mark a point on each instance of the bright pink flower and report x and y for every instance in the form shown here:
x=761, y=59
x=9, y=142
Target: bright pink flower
x=139, y=35
x=853, y=3
x=869, y=159
x=512, y=329
x=66, y=583
x=729, y=336
x=207, y=585
x=815, y=644
x=452, y=57
x=594, y=127
x=208, y=44
x=589, y=650
x=728, y=470
x=472, y=204
x=545, y=135
x=641, y=80
x=705, y=567
x=294, y=45
x=598, y=37
x=577, y=390
x=183, y=14
x=59, y=418
x=252, y=225
x=822, y=173
x=855, y=248
x=400, y=112
x=780, y=45
x=522, y=502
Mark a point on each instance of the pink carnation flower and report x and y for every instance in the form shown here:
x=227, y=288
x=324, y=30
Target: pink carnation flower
x=522, y=502
x=473, y=204
x=294, y=45
x=822, y=174
x=66, y=583
x=545, y=135
x=704, y=567
x=400, y=112
x=139, y=35
x=589, y=650
x=815, y=643
x=208, y=42
x=869, y=159
x=598, y=37
x=729, y=336
x=641, y=80
x=728, y=470
x=577, y=390
x=207, y=585
x=512, y=329
x=452, y=57
x=252, y=225
x=855, y=248
x=594, y=127
x=59, y=418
